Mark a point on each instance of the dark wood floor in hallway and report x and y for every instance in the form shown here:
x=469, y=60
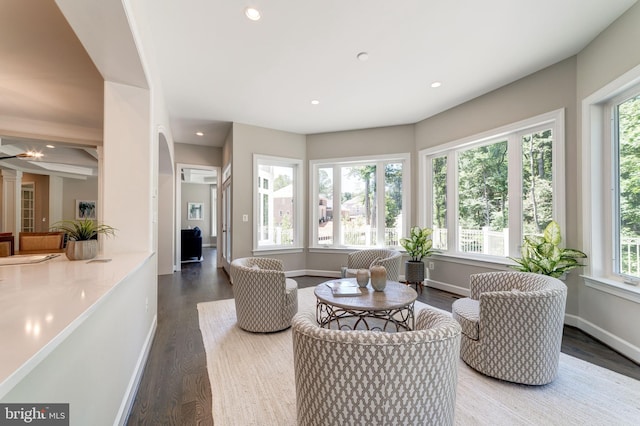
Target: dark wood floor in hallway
x=175, y=389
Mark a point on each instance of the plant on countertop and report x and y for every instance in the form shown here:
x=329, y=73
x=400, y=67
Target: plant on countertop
x=419, y=244
x=543, y=254
x=83, y=229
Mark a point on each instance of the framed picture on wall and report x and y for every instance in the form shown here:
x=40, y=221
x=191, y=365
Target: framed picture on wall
x=85, y=209
x=195, y=211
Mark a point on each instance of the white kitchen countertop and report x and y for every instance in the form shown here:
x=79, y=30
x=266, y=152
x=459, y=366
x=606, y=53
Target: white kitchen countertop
x=42, y=303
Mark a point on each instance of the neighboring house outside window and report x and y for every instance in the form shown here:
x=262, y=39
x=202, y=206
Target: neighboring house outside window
x=360, y=202
x=485, y=192
x=277, y=201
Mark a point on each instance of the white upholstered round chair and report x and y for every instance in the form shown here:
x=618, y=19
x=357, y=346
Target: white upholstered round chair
x=265, y=299
x=365, y=259
x=512, y=326
x=376, y=378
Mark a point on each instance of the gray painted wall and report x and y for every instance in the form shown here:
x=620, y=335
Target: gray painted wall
x=197, y=154
x=248, y=140
x=76, y=189
x=547, y=90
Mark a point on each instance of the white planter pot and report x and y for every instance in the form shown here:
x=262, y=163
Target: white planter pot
x=82, y=250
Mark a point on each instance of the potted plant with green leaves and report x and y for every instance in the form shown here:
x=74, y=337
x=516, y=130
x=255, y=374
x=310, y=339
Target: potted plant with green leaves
x=82, y=237
x=418, y=245
x=542, y=254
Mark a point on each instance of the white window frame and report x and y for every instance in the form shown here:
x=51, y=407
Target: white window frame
x=513, y=133
x=597, y=199
x=297, y=165
x=214, y=210
x=611, y=143
x=379, y=160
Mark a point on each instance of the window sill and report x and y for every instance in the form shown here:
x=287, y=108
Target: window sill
x=329, y=250
x=350, y=249
x=622, y=290
x=275, y=250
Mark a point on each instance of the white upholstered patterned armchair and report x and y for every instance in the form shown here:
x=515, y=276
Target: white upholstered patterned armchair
x=265, y=299
x=376, y=378
x=512, y=326
x=364, y=259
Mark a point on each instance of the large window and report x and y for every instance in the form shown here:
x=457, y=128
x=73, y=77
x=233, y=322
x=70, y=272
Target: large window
x=486, y=192
x=610, y=186
x=625, y=112
x=277, y=200
x=360, y=202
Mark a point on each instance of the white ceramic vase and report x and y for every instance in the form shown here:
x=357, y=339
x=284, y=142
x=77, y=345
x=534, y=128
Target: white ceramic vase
x=378, y=277
x=362, y=277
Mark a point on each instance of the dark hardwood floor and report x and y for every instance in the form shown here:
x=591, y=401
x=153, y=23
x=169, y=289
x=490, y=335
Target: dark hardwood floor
x=175, y=389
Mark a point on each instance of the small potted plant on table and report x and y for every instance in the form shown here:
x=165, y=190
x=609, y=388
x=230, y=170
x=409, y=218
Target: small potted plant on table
x=82, y=237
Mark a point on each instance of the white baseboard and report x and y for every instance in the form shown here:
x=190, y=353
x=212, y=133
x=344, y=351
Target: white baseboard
x=625, y=348
x=313, y=273
x=462, y=291
x=132, y=389
x=298, y=273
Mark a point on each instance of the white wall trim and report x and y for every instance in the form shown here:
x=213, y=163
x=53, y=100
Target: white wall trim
x=448, y=287
x=624, y=291
x=134, y=383
x=620, y=345
x=276, y=251
x=303, y=272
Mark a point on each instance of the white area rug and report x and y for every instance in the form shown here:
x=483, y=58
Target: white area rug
x=252, y=382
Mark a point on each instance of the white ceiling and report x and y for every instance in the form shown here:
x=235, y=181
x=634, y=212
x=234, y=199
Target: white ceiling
x=218, y=67
x=60, y=159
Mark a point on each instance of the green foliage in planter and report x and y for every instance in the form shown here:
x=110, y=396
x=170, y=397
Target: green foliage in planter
x=543, y=255
x=419, y=243
x=83, y=229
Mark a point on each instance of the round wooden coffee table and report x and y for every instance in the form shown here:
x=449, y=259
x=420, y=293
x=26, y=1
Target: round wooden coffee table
x=388, y=310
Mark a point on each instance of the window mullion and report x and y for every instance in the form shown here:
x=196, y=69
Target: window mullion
x=452, y=202
x=427, y=181
x=380, y=204
x=337, y=205
x=515, y=195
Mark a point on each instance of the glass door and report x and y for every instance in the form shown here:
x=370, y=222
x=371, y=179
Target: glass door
x=27, y=207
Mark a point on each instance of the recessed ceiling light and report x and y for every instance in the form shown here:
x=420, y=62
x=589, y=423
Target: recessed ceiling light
x=50, y=146
x=315, y=102
x=199, y=133
x=362, y=56
x=436, y=84
x=252, y=13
